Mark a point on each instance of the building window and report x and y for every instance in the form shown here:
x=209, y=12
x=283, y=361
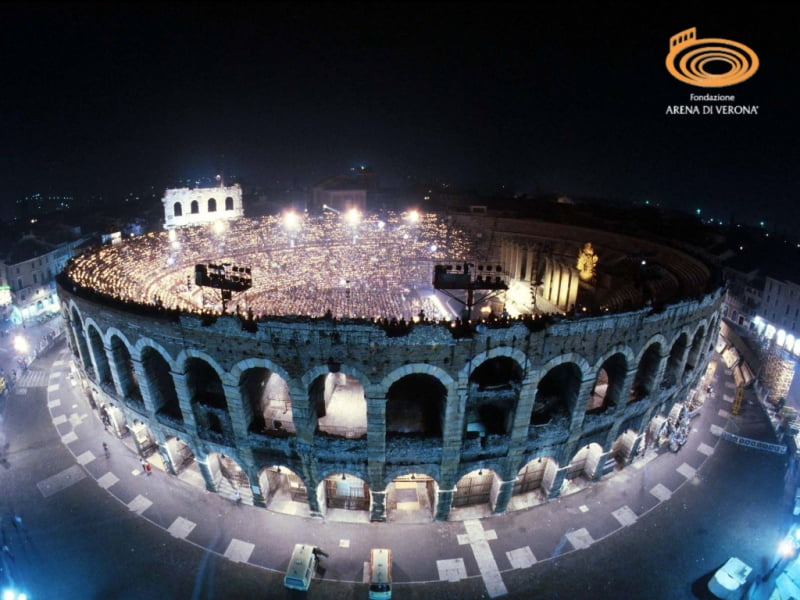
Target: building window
x=228, y=203
x=177, y=209
x=195, y=208
x=212, y=205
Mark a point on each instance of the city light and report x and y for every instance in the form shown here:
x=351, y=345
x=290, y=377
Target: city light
x=291, y=220
x=413, y=216
x=353, y=216
x=21, y=344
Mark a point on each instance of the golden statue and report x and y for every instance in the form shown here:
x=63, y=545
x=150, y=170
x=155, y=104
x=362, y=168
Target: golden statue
x=587, y=261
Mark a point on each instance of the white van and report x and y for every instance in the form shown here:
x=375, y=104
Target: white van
x=380, y=574
x=301, y=567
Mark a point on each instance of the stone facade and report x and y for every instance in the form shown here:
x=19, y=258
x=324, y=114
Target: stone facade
x=136, y=363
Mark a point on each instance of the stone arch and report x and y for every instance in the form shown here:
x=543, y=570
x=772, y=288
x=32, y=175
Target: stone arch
x=266, y=401
x=420, y=368
x=677, y=353
x=337, y=401
x=194, y=207
x=583, y=467
x=207, y=398
x=476, y=487
x=416, y=404
x=411, y=495
x=608, y=389
x=160, y=383
x=99, y=357
x=229, y=478
x=212, y=205
x=284, y=490
x=493, y=394
x=190, y=353
x=531, y=482
x=344, y=491
x=123, y=365
x=228, y=203
x=696, y=350
x=80, y=336
x=557, y=391
x=177, y=209
x=499, y=351
x=649, y=361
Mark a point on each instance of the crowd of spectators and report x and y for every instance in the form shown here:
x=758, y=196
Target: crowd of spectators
x=318, y=266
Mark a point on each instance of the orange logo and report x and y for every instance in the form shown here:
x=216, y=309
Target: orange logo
x=689, y=58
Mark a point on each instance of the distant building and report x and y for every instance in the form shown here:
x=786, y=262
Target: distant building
x=193, y=206
x=27, y=277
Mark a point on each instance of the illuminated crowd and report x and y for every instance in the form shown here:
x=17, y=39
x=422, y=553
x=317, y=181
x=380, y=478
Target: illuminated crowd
x=340, y=265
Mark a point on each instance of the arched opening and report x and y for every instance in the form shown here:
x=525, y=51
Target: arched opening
x=177, y=209
x=228, y=203
x=645, y=377
x=494, y=388
x=267, y=395
x=181, y=459
x=80, y=338
x=415, y=405
x=212, y=205
x=284, y=491
x=100, y=360
x=145, y=441
x=624, y=446
x=340, y=407
x=608, y=385
x=695, y=352
x=229, y=478
x=162, y=386
x=556, y=394
x=530, y=487
x=208, y=400
x=113, y=418
x=194, y=207
x=411, y=498
x=582, y=468
x=345, y=497
x=123, y=364
x=476, y=489
x=672, y=372
x=657, y=432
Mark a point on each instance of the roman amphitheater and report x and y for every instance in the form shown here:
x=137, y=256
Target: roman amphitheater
x=341, y=385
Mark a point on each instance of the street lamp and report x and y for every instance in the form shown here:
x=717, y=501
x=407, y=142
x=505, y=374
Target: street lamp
x=21, y=344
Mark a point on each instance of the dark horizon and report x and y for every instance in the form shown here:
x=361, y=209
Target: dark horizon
x=531, y=100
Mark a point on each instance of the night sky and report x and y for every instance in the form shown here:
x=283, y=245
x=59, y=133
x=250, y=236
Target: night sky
x=105, y=99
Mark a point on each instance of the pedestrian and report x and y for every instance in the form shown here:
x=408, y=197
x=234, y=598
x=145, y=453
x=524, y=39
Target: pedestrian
x=148, y=468
x=143, y=462
x=105, y=450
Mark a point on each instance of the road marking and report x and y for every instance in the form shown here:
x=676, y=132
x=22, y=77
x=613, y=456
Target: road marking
x=661, y=492
x=452, y=569
x=344, y=543
x=139, y=504
x=54, y=403
x=583, y=508
x=521, y=558
x=61, y=481
x=69, y=438
x=724, y=413
x=705, y=449
x=85, y=458
x=625, y=516
x=239, y=551
x=727, y=398
x=59, y=419
x=580, y=538
x=180, y=528
x=687, y=471
x=107, y=480
x=53, y=388
x=478, y=540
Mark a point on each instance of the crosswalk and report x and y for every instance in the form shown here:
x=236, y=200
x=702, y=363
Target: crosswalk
x=32, y=378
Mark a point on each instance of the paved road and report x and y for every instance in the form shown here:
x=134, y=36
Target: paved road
x=96, y=527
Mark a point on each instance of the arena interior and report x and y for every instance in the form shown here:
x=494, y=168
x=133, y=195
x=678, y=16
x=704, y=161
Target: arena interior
x=338, y=383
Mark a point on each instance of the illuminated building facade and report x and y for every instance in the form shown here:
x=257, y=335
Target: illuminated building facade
x=193, y=206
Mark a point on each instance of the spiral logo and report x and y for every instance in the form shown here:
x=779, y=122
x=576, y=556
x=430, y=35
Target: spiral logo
x=689, y=58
